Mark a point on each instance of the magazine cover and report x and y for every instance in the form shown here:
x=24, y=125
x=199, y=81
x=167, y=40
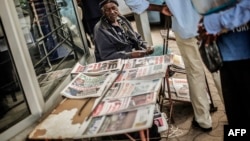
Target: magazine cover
x=84, y=86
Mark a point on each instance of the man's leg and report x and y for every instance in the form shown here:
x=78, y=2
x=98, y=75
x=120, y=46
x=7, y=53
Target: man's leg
x=196, y=80
x=217, y=82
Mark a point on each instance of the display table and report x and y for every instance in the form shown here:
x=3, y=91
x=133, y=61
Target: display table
x=126, y=106
x=65, y=122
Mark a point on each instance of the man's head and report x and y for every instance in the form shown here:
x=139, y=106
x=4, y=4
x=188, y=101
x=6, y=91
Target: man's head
x=110, y=9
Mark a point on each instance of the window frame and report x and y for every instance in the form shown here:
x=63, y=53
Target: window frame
x=25, y=70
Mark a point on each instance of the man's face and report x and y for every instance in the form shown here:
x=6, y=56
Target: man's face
x=111, y=11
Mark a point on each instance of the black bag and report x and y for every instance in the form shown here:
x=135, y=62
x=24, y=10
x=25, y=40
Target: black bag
x=211, y=56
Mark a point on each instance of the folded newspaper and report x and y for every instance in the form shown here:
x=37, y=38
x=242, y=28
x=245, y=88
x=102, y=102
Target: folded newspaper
x=85, y=86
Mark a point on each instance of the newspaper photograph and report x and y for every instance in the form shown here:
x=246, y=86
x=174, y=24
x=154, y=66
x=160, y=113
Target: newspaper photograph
x=84, y=86
x=160, y=121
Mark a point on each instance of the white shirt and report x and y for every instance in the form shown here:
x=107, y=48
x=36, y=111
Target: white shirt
x=184, y=20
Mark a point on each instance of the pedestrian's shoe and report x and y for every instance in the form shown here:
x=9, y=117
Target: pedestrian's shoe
x=196, y=124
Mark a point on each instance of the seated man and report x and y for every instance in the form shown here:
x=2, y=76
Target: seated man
x=114, y=36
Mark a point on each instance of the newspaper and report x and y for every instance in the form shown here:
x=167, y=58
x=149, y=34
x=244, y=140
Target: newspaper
x=128, y=95
x=171, y=85
x=119, y=123
x=78, y=68
x=177, y=62
x=142, y=73
x=122, y=104
x=85, y=86
x=160, y=121
x=147, y=61
x=133, y=87
x=181, y=87
x=97, y=68
x=175, y=88
x=122, y=108
x=49, y=77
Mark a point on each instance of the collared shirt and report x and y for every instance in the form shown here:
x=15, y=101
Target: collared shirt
x=229, y=19
x=184, y=20
x=137, y=6
x=234, y=45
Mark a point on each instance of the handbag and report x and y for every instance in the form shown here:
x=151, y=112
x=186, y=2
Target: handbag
x=211, y=56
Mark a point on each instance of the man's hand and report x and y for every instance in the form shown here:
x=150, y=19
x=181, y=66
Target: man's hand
x=203, y=35
x=165, y=11
x=160, y=8
x=138, y=53
x=149, y=50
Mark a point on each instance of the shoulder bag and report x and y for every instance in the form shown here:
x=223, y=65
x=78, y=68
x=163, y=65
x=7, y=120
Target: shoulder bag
x=211, y=56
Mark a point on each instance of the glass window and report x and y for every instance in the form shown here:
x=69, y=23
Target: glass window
x=52, y=34
x=13, y=104
x=37, y=51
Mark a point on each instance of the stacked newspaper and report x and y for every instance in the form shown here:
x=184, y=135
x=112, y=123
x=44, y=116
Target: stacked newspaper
x=124, y=99
x=179, y=89
x=119, y=123
x=128, y=95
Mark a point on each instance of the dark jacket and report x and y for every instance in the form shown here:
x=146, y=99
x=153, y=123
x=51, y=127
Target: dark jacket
x=110, y=44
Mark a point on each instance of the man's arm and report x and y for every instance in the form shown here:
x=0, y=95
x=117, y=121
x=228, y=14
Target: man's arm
x=139, y=6
x=228, y=19
x=161, y=8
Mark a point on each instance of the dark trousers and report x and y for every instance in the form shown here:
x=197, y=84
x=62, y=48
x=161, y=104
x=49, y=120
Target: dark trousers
x=235, y=81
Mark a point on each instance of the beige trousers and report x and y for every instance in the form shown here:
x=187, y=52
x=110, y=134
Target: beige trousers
x=196, y=80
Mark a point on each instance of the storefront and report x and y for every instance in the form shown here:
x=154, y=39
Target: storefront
x=35, y=38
